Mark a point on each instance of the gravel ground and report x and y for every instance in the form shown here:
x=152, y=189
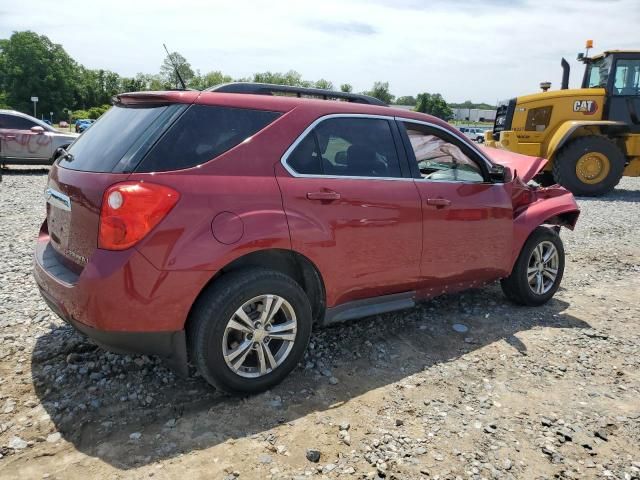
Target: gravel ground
x=550, y=392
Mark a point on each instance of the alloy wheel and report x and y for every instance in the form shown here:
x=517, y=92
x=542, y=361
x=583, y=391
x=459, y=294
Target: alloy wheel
x=259, y=336
x=542, y=270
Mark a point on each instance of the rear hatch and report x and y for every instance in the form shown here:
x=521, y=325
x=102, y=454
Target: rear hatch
x=103, y=155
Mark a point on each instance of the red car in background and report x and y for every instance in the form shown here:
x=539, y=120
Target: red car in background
x=221, y=225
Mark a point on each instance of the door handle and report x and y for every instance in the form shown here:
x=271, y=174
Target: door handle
x=438, y=202
x=9, y=136
x=325, y=196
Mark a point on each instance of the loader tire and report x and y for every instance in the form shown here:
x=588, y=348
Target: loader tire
x=589, y=166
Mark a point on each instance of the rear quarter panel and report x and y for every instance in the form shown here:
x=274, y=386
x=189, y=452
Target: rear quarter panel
x=228, y=207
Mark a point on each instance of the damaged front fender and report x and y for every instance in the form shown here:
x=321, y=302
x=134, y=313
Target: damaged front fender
x=553, y=205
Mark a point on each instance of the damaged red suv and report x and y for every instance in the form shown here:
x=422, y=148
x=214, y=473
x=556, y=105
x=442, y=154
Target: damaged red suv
x=217, y=227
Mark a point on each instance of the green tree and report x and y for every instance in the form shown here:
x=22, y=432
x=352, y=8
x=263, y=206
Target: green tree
x=77, y=114
x=135, y=84
x=96, y=87
x=407, y=100
x=32, y=65
x=324, y=84
x=96, y=112
x=380, y=91
x=346, y=87
x=143, y=82
x=3, y=101
x=210, y=79
x=291, y=78
x=435, y=105
x=168, y=71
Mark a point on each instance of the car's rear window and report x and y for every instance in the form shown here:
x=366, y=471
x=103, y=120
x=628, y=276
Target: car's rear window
x=201, y=134
x=102, y=147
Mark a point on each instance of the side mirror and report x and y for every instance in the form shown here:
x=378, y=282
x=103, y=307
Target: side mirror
x=500, y=174
x=37, y=129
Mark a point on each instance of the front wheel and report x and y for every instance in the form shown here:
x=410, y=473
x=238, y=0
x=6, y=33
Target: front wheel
x=538, y=271
x=590, y=165
x=249, y=330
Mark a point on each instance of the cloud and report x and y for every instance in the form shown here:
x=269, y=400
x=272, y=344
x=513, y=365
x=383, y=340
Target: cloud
x=344, y=28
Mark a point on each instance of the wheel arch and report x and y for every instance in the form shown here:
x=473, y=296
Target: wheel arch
x=558, y=211
x=293, y=264
x=575, y=128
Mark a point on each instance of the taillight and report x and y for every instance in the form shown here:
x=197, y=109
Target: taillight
x=130, y=210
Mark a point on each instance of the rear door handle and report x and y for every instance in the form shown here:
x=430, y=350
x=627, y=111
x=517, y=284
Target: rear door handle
x=438, y=202
x=9, y=136
x=326, y=196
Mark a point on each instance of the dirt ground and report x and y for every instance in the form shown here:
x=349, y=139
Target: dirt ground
x=511, y=392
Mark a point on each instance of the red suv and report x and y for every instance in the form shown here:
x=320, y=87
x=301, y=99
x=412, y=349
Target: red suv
x=217, y=227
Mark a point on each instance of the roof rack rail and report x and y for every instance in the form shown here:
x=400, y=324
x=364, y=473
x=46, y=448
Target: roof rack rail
x=270, y=89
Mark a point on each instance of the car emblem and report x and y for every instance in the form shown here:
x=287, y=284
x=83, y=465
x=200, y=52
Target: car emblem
x=77, y=257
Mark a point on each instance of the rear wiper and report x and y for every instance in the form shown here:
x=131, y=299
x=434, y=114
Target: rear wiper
x=62, y=154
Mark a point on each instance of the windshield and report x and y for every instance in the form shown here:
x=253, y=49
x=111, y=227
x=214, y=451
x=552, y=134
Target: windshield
x=117, y=132
x=597, y=73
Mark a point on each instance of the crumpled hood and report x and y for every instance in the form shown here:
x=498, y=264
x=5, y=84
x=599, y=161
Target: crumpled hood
x=524, y=166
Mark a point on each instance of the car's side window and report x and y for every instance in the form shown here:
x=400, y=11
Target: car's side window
x=347, y=146
x=305, y=159
x=13, y=122
x=439, y=159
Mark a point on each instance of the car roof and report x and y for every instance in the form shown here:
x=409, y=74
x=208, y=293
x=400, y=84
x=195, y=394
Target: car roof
x=278, y=103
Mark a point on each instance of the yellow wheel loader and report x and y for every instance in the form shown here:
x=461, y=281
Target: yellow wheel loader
x=591, y=135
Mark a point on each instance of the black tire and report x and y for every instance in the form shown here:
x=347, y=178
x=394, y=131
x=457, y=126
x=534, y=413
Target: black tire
x=564, y=165
x=216, y=306
x=516, y=286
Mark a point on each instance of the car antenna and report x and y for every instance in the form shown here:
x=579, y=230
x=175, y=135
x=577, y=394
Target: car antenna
x=175, y=67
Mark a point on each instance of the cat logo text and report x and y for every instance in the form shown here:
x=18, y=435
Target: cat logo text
x=588, y=107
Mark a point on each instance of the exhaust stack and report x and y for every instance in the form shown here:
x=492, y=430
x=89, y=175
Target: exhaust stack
x=565, y=74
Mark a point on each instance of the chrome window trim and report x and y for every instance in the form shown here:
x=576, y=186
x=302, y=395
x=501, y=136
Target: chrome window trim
x=316, y=122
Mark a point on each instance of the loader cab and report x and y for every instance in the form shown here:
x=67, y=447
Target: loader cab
x=618, y=72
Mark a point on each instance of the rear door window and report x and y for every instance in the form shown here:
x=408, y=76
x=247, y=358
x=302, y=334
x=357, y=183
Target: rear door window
x=350, y=147
x=203, y=133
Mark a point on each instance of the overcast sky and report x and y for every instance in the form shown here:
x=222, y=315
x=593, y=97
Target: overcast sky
x=464, y=49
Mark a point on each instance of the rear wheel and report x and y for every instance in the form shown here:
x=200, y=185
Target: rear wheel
x=538, y=271
x=249, y=330
x=589, y=166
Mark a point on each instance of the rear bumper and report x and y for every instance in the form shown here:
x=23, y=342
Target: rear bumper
x=121, y=301
x=170, y=345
